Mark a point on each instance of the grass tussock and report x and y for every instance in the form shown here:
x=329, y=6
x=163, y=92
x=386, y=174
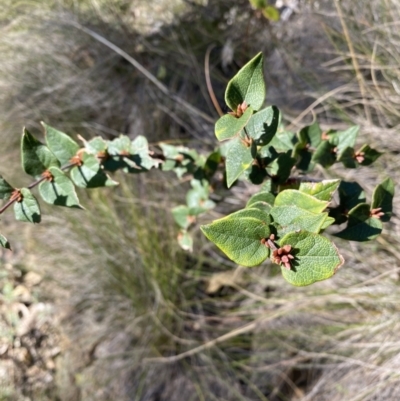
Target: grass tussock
x=140, y=319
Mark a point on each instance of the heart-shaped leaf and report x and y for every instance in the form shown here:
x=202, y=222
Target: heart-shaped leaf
x=323, y=190
x=315, y=258
x=293, y=197
x=228, y=126
x=36, y=157
x=368, y=155
x=348, y=158
x=350, y=194
x=325, y=154
x=293, y=218
x=361, y=226
x=383, y=198
x=310, y=135
x=247, y=85
x=238, y=159
x=263, y=125
x=5, y=189
x=261, y=197
x=27, y=209
x=242, y=239
x=255, y=213
x=60, y=144
x=344, y=139
x=60, y=190
x=90, y=175
x=280, y=168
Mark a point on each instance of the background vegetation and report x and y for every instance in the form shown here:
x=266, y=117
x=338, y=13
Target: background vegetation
x=96, y=306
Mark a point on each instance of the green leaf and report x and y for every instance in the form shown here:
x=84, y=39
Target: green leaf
x=28, y=209
x=261, y=196
x=263, y=125
x=119, y=146
x=344, y=139
x=36, y=157
x=247, y=85
x=60, y=144
x=350, y=194
x=293, y=197
x=182, y=216
x=281, y=167
x=283, y=140
x=60, y=191
x=325, y=154
x=140, y=155
x=315, y=258
x=255, y=213
x=238, y=159
x=271, y=13
x=348, y=158
x=185, y=241
x=258, y=3
x=323, y=190
x=96, y=145
x=240, y=238
x=5, y=189
x=228, y=126
x=361, y=226
x=293, y=218
x=211, y=164
x=4, y=242
x=383, y=198
x=370, y=155
x=310, y=135
x=90, y=175
x=198, y=195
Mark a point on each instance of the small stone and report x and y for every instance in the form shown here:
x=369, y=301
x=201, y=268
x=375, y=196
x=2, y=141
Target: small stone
x=31, y=279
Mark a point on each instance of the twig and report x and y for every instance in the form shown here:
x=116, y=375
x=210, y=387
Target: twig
x=208, y=81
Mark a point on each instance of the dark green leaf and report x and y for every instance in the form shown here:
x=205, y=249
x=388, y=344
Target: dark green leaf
x=315, y=258
x=28, y=209
x=263, y=125
x=383, y=198
x=4, y=242
x=325, y=154
x=361, y=226
x=348, y=158
x=350, y=194
x=344, y=139
x=60, y=144
x=310, y=135
x=247, y=85
x=36, y=157
x=369, y=154
x=5, y=189
x=281, y=167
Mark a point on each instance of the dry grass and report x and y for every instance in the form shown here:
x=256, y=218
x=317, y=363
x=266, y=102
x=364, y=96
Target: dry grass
x=135, y=304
